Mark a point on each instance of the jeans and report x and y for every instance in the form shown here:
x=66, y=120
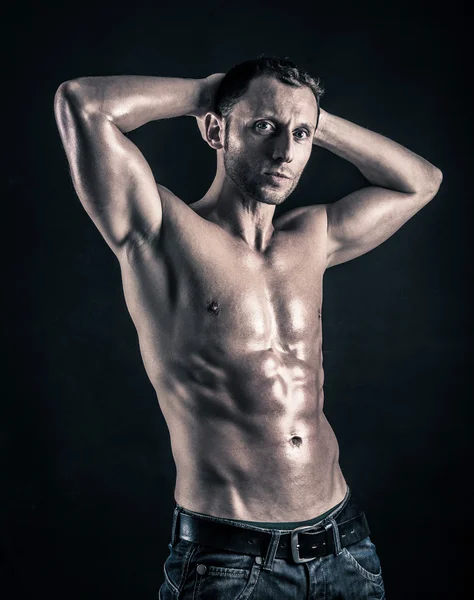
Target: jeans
x=196, y=572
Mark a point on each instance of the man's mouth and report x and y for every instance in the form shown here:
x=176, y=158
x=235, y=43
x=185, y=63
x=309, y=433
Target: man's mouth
x=277, y=174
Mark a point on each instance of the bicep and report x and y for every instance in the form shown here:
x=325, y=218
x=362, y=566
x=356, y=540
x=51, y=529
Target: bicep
x=365, y=219
x=110, y=175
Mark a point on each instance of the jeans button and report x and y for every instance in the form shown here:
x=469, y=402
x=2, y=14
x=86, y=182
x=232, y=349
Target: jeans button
x=258, y=560
x=201, y=569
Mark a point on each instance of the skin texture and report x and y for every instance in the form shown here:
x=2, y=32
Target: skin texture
x=227, y=300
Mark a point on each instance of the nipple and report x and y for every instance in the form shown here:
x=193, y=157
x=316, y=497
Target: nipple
x=213, y=307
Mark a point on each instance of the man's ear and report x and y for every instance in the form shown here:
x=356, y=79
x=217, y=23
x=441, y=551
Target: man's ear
x=212, y=129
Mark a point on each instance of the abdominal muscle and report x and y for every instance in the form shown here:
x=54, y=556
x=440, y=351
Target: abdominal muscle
x=249, y=441
x=232, y=343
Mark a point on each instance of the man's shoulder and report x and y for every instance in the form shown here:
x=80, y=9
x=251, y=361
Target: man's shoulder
x=304, y=218
x=166, y=195
x=179, y=215
x=175, y=201
x=173, y=206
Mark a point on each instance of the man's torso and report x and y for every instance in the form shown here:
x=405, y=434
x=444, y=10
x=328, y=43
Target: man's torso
x=231, y=340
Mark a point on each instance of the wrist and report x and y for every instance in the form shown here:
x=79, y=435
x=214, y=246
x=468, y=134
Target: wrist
x=200, y=98
x=321, y=129
x=207, y=91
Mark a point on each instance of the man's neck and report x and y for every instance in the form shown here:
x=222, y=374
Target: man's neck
x=242, y=217
x=254, y=224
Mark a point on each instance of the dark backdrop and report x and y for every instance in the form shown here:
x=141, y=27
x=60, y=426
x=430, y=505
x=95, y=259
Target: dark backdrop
x=88, y=474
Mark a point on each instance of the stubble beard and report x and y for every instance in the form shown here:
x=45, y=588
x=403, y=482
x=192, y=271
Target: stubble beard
x=239, y=172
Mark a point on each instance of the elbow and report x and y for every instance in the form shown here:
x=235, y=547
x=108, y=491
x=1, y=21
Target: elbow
x=431, y=185
x=68, y=90
x=72, y=93
x=436, y=179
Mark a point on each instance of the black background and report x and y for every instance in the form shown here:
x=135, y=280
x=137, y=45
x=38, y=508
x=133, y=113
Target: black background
x=88, y=477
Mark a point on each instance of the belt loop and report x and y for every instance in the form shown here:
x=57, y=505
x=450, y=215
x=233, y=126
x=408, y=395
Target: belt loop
x=174, y=527
x=272, y=550
x=335, y=530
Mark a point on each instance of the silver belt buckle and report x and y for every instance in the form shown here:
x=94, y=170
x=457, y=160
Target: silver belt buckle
x=295, y=545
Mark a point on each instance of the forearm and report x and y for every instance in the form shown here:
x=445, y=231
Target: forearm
x=382, y=161
x=130, y=101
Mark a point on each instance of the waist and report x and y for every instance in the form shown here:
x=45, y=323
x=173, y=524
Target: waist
x=289, y=499
x=344, y=525
x=282, y=525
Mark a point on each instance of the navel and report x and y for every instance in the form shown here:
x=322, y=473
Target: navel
x=213, y=307
x=296, y=441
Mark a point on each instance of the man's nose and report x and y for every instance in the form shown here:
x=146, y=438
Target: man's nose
x=283, y=149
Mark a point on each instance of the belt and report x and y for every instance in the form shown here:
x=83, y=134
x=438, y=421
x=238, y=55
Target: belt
x=300, y=544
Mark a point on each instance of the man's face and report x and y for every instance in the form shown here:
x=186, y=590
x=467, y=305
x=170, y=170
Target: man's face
x=271, y=130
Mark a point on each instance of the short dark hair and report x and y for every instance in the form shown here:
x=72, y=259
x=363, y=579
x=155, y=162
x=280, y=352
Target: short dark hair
x=236, y=81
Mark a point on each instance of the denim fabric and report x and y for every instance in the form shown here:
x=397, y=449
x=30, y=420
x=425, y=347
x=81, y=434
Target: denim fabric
x=196, y=572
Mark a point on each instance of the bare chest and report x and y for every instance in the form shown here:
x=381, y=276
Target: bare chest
x=255, y=305
x=205, y=288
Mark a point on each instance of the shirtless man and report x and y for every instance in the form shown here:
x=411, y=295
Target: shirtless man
x=227, y=305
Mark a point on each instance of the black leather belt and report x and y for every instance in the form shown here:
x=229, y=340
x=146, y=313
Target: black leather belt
x=300, y=544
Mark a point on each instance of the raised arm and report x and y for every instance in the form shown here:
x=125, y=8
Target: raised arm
x=402, y=183
x=110, y=175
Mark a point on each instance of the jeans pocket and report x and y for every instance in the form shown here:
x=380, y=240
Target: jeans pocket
x=363, y=557
x=225, y=575
x=177, y=564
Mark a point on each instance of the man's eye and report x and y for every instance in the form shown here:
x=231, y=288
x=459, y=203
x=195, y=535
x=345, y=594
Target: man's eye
x=305, y=133
x=258, y=125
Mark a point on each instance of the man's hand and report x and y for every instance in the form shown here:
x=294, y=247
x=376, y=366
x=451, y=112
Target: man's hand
x=209, y=88
x=320, y=127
